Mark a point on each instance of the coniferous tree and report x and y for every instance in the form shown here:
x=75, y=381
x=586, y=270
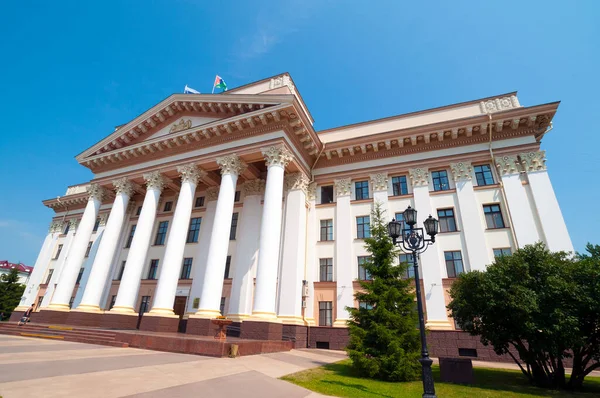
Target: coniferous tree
x=384, y=338
x=10, y=292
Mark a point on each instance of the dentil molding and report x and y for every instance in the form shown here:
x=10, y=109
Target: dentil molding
x=96, y=192
x=212, y=194
x=507, y=165
x=124, y=186
x=296, y=181
x=461, y=171
x=343, y=187
x=191, y=173
x=533, y=161
x=419, y=177
x=277, y=155
x=231, y=164
x=155, y=180
x=253, y=187
x=379, y=181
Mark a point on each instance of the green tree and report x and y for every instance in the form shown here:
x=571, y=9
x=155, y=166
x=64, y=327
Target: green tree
x=538, y=307
x=384, y=339
x=10, y=292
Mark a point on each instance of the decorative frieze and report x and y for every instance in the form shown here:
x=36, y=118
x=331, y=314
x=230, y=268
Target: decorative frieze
x=96, y=192
x=181, y=125
x=231, y=164
x=419, y=177
x=343, y=187
x=212, y=194
x=379, y=182
x=461, y=171
x=533, y=161
x=74, y=190
x=73, y=224
x=56, y=226
x=277, y=155
x=191, y=173
x=281, y=81
x=499, y=104
x=124, y=186
x=311, y=193
x=253, y=187
x=507, y=165
x=296, y=181
x=154, y=180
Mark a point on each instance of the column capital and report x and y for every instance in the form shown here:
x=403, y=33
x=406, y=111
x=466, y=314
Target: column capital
x=124, y=186
x=56, y=226
x=212, y=194
x=73, y=224
x=253, y=187
x=96, y=192
x=507, y=165
x=103, y=218
x=343, y=187
x=311, y=193
x=379, y=182
x=461, y=171
x=419, y=176
x=231, y=164
x=296, y=181
x=155, y=180
x=277, y=155
x=191, y=173
x=533, y=161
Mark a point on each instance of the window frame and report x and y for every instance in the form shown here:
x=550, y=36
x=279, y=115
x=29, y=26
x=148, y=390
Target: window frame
x=152, y=270
x=227, y=268
x=444, y=220
x=363, y=229
x=58, y=251
x=399, y=185
x=138, y=211
x=325, y=313
x=186, y=268
x=168, y=206
x=49, y=276
x=199, y=202
x=122, y=270
x=332, y=195
x=237, y=196
x=130, y=237
x=88, y=249
x=96, y=225
x=328, y=228
x=193, y=230
x=80, y=275
x=363, y=274
x=502, y=250
x=326, y=269
x=492, y=213
x=234, y=225
x=482, y=173
x=364, y=185
x=453, y=262
x=435, y=175
x=409, y=259
x=161, y=233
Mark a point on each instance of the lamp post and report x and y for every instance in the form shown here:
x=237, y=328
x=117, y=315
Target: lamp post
x=412, y=240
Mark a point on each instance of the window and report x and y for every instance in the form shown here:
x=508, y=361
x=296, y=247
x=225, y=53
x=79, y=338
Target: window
x=113, y=299
x=399, y=185
x=39, y=302
x=361, y=190
x=326, y=230
x=199, y=201
x=440, y=180
x=145, y=304
x=233, y=230
x=168, y=206
x=408, y=259
x=325, y=313
x=400, y=218
x=363, y=274
x=227, y=267
x=130, y=237
x=120, y=276
x=505, y=251
x=67, y=226
x=58, y=250
x=161, y=233
x=365, y=305
x=493, y=216
x=194, y=230
x=96, y=225
x=222, y=305
x=79, y=276
x=363, y=227
x=138, y=211
x=484, y=175
x=327, y=194
x=89, y=248
x=186, y=269
x=237, y=196
x=49, y=277
x=454, y=264
x=447, y=220
x=326, y=268
x=153, y=269
x=71, y=302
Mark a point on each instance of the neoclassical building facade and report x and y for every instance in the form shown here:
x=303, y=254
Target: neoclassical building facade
x=210, y=204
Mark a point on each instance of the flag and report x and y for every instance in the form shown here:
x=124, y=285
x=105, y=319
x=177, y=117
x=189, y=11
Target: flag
x=189, y=90
x=219, y=83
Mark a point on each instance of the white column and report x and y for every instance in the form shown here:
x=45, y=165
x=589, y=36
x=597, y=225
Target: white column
x=88, y=261
x=201, y=257
x=62, y=295
x=520, y=213
x=311, y=255
x=293, y=262
x=379, y=183
x=212, y=286
x=94, y=289
x=430, y=266
x=166, y=288
x=60, y=261
x=470, y=213
x=277, y=158
x=344, y=253
x=551, y=218
x=134, y=265
x=246, y=252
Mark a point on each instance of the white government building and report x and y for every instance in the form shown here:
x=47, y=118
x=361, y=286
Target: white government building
x=233, y=204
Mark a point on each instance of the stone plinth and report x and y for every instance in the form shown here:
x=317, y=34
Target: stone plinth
x=161, y=324
x=92, y=319
x=296, y=334
x=200, y=327
x=336, y=338
x=50, y=317
x=119, y=321
x=256, y=330
x=456, y=370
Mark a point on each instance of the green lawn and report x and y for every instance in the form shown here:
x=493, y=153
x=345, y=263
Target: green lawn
x=336, y=379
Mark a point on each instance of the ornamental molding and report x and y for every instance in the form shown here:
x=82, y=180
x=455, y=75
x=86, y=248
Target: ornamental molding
x=343, y=187
x=461, y=171
x=73, y=224
x=419, y=177
x=103, y=218
x=499, y=104
x=311, y=192
x=253, y=187
x=296, y=181
x=76, y=189
x=379, y=182
x=181, y=125
x=96, y=192
x=124, y=186
x=131, y=207
x=533, y=161
x=282, y=81
x=507, y=165
x=154, y=180
x=56, y=226
x=212, y=194
x=231, y=164
x=277, y=155
x=191, y=173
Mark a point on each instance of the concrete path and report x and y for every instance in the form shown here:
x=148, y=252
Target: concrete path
x=50, y=368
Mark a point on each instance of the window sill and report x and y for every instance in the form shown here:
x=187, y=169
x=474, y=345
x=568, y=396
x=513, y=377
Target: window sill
x=481, y=187
x=326, y=241
x=324, y=284
x=497, y=229
x=450, y=232
x=359, y=201
x=332, y=204
x=187, y=243
x=442, y=192
x=407, y=196
x=158, y=244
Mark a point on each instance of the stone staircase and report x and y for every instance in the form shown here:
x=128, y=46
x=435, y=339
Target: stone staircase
x=64, y=333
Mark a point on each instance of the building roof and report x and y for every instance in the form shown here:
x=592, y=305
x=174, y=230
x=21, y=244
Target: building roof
x=4, y=264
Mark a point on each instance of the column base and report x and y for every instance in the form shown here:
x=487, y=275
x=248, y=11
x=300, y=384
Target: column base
x=261, y=330
x=207, y=313
x=439, y=325
x=291, y=320
x=160, y=323
x=122, y=310
x=49, y=315
x=88, y=308
x=310, y=321
x=112, y=320
x=238, y=317
x=200, y=326
x=85, y=318
x=340, y=323
x=59, y=307
x=168, y=312
x=259, y=316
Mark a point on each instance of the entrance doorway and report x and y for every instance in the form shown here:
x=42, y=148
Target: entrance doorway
x=179, y=309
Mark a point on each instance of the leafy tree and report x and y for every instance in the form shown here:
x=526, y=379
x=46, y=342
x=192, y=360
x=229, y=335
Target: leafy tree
x=538, y=307
x=10, y=292
x=384, y=342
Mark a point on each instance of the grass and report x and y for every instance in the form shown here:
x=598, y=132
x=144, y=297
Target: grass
x=338, y=380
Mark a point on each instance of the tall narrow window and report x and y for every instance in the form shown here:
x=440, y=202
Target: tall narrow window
x=67, y=227
x=484, y=175
x=186, y=269
x=237, y=196
x=326, y=230
x=447, y=220
x=153, y=269
x=363, y=274
x=493, y=216
x=194, y=230
x=138, y=211
x=88, y=249
x=222, y=305
x=79, y=276
x=96, y=225
x=400, y=218
x=326, y=269
x=145, y=304
x=49, y=277
x=363, y=227
x=39, y=302
x=399, y=185
x=71, y=302
x=120, y=275
x=161, y=233
x=199, y=201
x=440, y=180
x=58, y=250
x=408, y=261
x=454, y=264
x=227, y=267
x=168, y=206
x=113, y=300
x=361, y=190
x=325, y=313
x=327, y=194
x=233, y=230
x=130, y=237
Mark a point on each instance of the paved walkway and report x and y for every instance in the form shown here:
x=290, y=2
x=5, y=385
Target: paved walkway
x=49, y=368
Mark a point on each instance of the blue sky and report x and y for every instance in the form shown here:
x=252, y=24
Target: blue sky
x=73, y=70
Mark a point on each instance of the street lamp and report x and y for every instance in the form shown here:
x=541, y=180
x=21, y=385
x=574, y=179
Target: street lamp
x=412, y=240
